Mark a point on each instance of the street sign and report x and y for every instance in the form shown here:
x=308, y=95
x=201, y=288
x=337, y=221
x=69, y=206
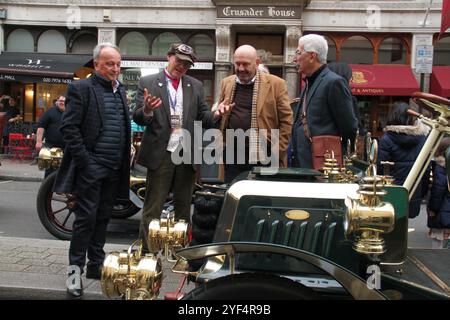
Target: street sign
x=424, y=59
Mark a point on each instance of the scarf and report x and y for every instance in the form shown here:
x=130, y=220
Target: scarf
x=254, y=129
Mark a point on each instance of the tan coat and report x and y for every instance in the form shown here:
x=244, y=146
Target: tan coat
x=273, y=108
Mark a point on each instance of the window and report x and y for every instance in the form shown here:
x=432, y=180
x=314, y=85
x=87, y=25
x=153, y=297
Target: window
x=52, y=41
x=20, y=40
x=203, y=46
x=134, y=43
x=441, y=56
x=162, y=43
x=357, y=50
x=331, y=50
x=84, y=44
x=392, y=51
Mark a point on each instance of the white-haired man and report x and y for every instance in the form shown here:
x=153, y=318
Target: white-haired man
x=325, y=106
x=96, y=163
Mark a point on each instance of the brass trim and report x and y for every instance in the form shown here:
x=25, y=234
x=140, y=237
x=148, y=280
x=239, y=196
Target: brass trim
x=297, y=214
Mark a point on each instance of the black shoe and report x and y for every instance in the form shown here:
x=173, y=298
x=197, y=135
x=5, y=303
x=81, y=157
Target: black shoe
x=94, y=272
x=74, y=286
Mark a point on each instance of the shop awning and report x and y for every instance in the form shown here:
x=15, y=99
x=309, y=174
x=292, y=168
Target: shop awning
x=383, y=80
x=440, y=81
x=41, y=67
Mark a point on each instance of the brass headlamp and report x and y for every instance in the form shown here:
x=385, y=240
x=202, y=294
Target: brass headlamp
x=167, y=234
x=49, y=158
x=130, y=275
x=368, y=217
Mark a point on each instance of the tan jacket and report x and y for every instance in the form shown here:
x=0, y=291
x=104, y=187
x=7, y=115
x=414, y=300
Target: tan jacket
x=273, y=108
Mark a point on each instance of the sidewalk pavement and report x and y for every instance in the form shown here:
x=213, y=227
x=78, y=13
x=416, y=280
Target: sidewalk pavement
x=19, y=170
x=37, y=268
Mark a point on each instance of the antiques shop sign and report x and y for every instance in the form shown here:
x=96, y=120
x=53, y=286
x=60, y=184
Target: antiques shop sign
x=271, y=12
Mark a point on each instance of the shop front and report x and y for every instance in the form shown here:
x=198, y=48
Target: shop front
x=440, y=81
x=376, y=88
x=36, y=79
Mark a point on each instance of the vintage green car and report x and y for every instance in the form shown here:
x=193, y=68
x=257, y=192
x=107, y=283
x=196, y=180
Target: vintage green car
x=304, y=234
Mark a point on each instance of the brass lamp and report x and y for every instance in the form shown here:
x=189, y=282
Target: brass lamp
x=132, y=276
x=167, y=234
x=368, y=217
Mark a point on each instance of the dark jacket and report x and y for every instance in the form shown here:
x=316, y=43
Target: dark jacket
x=329, y=112
x=402, y=145
x=157, y=131
x=439, y=201
x=81, y=125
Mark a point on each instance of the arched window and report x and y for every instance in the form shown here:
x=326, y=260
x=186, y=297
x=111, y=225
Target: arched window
x=331, y=50
x=203, y=46
x=84, y=43
x=20, y=40
x=161, y=44
x=441, y=56
x=392, y=51
x=134, y=43
x=52, y=41
x=358, y=50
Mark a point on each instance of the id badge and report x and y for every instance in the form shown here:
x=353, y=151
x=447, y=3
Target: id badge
x=175, y=121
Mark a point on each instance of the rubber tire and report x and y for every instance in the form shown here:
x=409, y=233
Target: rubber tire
x=130, y=210
x=45, y=189
x=41, y=205
x=251, y=286
x=205, y=221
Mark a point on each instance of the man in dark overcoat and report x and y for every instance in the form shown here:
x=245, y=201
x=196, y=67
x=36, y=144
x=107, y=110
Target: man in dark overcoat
x=96, y=163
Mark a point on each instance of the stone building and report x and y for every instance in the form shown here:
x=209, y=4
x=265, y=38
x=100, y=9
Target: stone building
x=391, y=45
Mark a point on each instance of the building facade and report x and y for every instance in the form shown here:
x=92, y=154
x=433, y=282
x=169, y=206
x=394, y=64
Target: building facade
x=380, y=35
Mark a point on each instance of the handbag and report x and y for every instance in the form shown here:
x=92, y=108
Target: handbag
x=321, y=145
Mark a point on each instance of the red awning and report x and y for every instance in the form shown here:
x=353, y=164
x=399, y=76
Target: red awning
x=383, y=80
x=440, y=81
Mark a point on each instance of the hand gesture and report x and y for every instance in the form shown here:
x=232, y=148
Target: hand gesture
x=224, y=108
x=151, y=102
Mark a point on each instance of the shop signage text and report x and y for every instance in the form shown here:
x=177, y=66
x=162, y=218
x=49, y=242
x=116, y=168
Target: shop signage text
x=161, y=64
x=7, y=77
x=31, y=64
x=368, y=91
x=57, y=80
x=270, y=12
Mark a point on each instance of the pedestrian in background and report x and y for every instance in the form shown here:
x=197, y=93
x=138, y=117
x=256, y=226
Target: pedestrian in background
x=258, y=101
x=401, y=143
x=12, y=115
x=96, y=162
x=438, y=207
x=167, y=104
x=325, y=107
x=48, y=129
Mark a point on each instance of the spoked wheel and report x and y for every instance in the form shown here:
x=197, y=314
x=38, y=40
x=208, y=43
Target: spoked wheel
x=251, y=286
x=55, y=210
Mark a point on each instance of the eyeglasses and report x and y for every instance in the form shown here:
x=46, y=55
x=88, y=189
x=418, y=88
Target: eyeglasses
x=186, y=64
x=61, y=100
x=184, y=48
x=300, y=52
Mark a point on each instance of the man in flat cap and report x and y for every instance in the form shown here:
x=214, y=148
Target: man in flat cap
x=168, y=103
